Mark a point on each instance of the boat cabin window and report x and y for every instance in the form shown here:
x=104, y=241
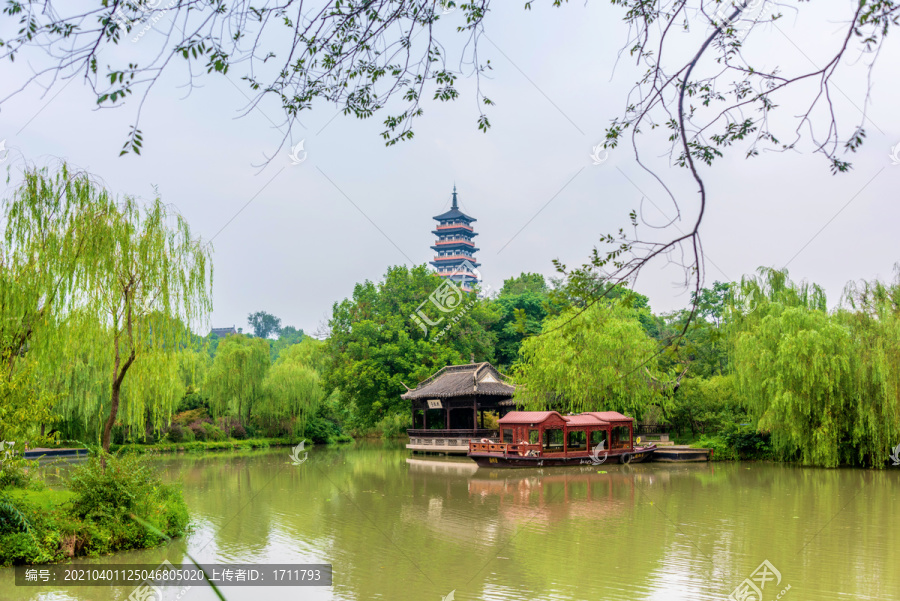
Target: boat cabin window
x=599, y=437
x=533, y=437
x=620, y=437
x=553, y=440
x=507, y=435
x=577, y=440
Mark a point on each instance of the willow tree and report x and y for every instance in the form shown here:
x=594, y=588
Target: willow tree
x=49, y=245
x=872, y=313
x=105, y=281
x=823, y=384
x=151, y=278
x=292, y=389
x=235, y=380
x=604, y=361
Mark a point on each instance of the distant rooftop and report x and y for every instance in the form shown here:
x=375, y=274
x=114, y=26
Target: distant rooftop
x=222, y=332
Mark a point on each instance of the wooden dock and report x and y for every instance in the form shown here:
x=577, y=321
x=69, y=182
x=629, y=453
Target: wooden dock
x=681, y=454
x=48, y=453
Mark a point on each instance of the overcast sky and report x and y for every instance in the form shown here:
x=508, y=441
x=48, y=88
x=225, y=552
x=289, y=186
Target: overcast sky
x=354, y=207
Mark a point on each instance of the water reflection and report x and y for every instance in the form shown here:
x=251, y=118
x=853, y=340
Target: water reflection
x=402, y=527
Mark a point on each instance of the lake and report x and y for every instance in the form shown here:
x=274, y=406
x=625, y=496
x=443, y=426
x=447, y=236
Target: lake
x=398, y=526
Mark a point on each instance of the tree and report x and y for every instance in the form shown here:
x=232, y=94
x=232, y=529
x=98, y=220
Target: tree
x=288, y=336
x=119, y=285
x=264, y=324
x=523, y=303
x=379, y=343
x=235, y=380
x=525, y=282
x=593, y=364
x=149, y=278
x=702, y=349
x=292, y=388
x=48, y=242
x=824, y=384
x=705, y=405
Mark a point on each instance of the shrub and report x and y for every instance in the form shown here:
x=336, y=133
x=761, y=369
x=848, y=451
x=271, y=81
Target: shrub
x=187, y=417
x=319, y=429
x=17, y=472
x=177, y=433
x=106, y=498
x=212, y=432
x=197, y=428
x=238, y=432
x=722, y=451
x=747, y=442
x=393, y=426
x=194, y=400
x=94, y=518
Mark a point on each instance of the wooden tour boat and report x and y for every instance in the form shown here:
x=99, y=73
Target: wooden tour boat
x=546, y=438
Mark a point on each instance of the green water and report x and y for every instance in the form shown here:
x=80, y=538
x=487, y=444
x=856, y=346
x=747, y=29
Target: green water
x=397, y=526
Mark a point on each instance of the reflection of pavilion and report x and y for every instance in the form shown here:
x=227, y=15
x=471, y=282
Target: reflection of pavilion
x=557, y=495
x=456, y=397
x=458, y=467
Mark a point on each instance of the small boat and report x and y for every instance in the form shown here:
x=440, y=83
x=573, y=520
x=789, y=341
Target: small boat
x=40, y=453
x=547, y=438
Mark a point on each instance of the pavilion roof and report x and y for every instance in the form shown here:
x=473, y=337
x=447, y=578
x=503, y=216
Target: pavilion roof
x=472, y=379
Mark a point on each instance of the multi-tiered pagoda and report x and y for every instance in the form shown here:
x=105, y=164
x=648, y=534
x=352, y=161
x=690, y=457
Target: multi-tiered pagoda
x=454, y=249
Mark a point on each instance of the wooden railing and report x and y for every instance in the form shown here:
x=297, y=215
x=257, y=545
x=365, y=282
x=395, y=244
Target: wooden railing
x=459, y=433
x=652, y=429
x=507, y=449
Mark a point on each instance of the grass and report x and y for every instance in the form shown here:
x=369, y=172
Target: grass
x=46, y=500
x=199, y=446
x=208, y=445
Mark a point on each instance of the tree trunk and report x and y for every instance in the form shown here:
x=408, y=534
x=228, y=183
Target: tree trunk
x=114, y=404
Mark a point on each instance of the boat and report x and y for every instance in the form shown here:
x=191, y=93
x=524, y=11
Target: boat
x=547, y=438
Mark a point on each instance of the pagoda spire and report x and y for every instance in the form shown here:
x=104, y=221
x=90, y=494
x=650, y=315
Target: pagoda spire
x=454, y=197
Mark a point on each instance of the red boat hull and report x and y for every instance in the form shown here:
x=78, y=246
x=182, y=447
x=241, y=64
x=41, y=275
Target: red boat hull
x=638, y=455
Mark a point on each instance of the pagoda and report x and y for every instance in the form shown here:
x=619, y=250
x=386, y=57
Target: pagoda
x=454, y=249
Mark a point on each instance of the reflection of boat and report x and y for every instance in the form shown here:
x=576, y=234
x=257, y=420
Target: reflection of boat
x=546, y=438
x=558, y=495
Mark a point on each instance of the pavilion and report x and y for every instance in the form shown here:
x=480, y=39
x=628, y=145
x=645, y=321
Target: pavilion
x=457, y=395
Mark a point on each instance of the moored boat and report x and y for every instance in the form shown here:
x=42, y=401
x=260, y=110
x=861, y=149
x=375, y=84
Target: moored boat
x=547, y=438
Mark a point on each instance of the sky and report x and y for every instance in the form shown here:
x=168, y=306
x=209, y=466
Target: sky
x=292, y=239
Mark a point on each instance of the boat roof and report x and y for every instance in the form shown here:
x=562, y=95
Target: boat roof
x=593, y=418
x=611, y=416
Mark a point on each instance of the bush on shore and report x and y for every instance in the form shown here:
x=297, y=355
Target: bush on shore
x=94, y=517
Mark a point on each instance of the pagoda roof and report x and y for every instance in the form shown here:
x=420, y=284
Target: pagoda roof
x=455, y=262
x=454, y=213
x=445, y=231
x=455, y=244
x=473, y=379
